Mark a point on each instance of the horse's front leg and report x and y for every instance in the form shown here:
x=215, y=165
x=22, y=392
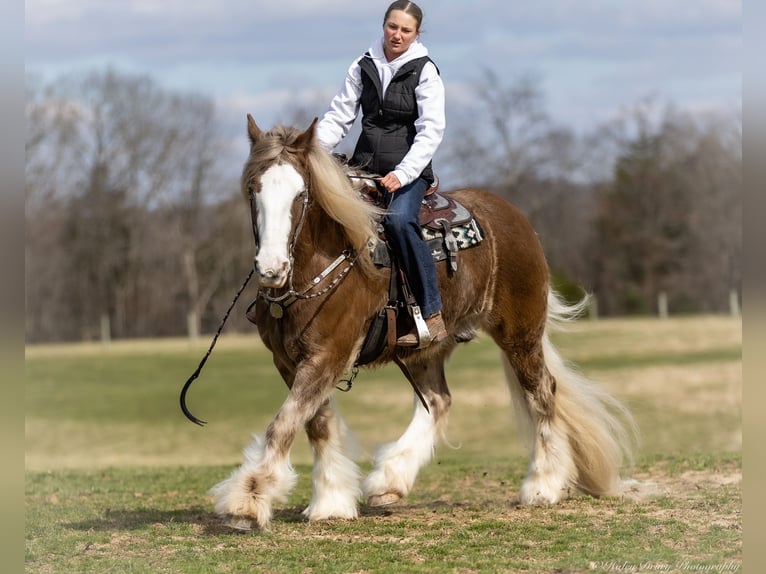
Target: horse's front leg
x=335, y=477
x=245, y=499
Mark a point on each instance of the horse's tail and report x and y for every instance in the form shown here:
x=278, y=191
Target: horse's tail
x=602, y=433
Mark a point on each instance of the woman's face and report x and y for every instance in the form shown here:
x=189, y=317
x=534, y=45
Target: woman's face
x=399, y=31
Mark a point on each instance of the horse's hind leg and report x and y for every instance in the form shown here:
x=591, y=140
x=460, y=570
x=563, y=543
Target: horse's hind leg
x=335, y=477
x=397, y=464
x=552, y=471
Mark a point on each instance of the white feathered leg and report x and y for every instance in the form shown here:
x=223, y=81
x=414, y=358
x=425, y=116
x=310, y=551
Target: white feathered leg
x=245, y=499
x=397, y=464
x=335, y=476
x=250, y=491
x=552, y=470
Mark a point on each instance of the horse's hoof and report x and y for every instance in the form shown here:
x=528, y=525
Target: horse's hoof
x=239, y=523
x=383, y=499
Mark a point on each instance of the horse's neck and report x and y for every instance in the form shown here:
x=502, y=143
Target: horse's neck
x=321, y=242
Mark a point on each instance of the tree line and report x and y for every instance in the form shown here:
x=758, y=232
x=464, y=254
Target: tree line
x=135, y=226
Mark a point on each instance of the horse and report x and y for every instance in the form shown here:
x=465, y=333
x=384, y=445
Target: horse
x=313, y=229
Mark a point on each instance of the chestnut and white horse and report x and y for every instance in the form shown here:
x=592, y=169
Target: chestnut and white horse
x=319, y=292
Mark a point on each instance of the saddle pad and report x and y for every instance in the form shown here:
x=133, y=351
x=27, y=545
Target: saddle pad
x=465, y=236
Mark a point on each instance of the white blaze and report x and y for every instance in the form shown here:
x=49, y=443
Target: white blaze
x=280, y=185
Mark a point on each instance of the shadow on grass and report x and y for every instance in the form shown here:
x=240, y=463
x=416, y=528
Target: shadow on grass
x=206, y=522
x=210, y=524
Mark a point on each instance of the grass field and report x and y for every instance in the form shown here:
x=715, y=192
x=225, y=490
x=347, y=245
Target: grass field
x=117, y=479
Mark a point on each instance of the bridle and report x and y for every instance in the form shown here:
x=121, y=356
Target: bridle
x=278, y=303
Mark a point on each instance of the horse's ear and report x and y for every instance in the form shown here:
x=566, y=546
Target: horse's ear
x=253, y=131
x=306, y=139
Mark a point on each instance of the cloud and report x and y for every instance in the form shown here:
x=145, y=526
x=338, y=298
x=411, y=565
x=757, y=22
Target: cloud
x=172, y=30
x=232, y=26
x=593, y=54
x=237, y=30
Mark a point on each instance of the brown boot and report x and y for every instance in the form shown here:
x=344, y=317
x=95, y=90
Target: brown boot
x=408, y=340
x=436, y=327
x=436, y=330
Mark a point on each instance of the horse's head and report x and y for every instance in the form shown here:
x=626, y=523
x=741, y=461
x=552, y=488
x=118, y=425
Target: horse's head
x=274, y=179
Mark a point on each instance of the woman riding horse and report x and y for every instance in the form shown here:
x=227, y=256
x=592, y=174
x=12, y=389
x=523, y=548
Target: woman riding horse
x=401, y=96
x=318, y=294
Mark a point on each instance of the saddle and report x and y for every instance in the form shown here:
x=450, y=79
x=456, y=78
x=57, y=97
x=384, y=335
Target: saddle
x=447, y=227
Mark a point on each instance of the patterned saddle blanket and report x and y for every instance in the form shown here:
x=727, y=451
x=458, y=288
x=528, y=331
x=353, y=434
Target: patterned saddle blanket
x=447, y=226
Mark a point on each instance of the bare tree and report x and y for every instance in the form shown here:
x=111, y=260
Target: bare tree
x=135, y=225
x=509, y=144
x=114, y=153
x=671, y=216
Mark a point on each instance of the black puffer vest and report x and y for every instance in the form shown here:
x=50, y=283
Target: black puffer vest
x=388, y=125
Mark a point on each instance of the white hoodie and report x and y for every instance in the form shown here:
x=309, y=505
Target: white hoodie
x=429, y=95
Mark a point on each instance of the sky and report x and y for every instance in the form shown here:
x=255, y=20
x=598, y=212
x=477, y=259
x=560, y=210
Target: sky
x=593, y=58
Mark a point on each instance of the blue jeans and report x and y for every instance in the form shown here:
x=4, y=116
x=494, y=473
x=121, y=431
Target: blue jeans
x=404, y=236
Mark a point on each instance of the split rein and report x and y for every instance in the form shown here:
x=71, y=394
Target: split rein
x=197, y=372
x=277, y=304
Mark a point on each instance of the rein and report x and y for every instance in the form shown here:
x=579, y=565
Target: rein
x=196, y=373
x=277, y=304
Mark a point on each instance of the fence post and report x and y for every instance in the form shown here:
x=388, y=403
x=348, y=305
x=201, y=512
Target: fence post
x=192, y=325
x=593, y=308
x=106, y=329
x=662, y=304
x=734, y=303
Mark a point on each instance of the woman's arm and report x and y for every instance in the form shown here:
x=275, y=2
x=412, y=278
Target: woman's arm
x=344, y=107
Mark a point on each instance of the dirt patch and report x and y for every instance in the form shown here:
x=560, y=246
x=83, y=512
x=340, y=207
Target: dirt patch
x=685, y=486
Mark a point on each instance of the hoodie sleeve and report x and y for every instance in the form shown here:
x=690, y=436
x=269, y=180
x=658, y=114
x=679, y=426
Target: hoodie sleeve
x=429, y=127
x=344, y=107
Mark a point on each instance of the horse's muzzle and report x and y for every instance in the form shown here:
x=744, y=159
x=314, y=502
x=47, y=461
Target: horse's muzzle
x=272, y=282
x=272, y=277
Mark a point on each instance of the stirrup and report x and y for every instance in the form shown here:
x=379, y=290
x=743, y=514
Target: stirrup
x=419, y=337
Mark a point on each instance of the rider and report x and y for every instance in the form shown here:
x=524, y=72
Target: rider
x=401, y=96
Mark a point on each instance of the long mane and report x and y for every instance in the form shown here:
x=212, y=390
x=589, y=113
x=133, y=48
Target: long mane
x=330, y=184
x=341, y=199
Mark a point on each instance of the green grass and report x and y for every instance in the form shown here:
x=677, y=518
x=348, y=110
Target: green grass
x=117, y=479
x=462, y=517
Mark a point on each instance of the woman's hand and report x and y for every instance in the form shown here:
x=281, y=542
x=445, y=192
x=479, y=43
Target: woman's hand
x=390, y=182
